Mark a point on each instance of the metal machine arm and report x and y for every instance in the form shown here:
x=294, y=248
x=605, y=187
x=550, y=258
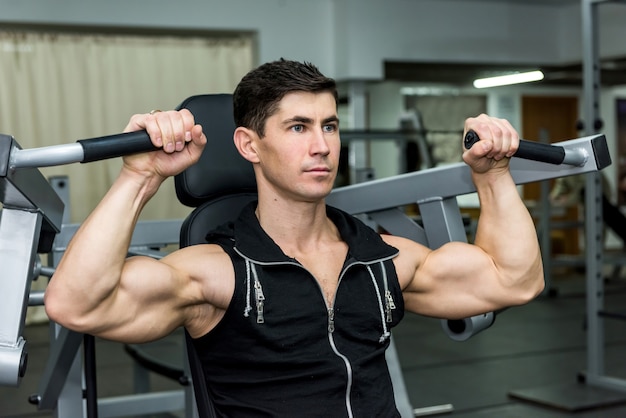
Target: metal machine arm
x=31, y=216
x=435, y=190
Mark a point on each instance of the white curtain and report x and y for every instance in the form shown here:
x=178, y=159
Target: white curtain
x=57, y=88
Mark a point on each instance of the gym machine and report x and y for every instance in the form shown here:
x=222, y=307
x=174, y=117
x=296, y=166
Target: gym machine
x=31, y=223
x=32, y=216
x=599, y=389
x=435, y=190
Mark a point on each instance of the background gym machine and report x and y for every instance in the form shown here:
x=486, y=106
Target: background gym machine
x=599, y=388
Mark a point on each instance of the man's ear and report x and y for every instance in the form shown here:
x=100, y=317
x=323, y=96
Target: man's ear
x=244, y=141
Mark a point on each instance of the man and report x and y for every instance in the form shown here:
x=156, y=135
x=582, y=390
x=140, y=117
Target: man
x=291, y=305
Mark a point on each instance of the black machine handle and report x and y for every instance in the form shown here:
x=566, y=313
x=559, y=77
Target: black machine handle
x=528, y=150
x=118, y=145
x=81, y=151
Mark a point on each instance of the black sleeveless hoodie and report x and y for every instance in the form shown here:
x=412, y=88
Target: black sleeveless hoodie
x=280, y=351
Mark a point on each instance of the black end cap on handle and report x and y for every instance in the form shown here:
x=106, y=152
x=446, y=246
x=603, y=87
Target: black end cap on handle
x=601, y=152
x=471, y=138
x=118, y=145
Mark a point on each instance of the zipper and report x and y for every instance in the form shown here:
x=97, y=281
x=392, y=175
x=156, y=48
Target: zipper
x=331, y=320
x=260, y=301
x=330, y=311
x=331, y=327
x=348, y=365
x=389, y=306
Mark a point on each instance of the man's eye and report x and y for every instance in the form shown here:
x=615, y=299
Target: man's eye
x=297, y=128
x=330, y=128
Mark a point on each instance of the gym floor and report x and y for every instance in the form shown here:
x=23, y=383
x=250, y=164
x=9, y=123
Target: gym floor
x=538, y=350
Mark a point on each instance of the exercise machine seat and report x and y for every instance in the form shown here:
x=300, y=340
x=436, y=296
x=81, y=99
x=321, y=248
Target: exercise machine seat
x=218, y=186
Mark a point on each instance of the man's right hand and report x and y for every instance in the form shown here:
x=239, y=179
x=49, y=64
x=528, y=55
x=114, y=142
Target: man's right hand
x=176, y=133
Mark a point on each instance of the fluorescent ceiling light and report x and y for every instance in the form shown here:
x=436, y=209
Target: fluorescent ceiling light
x=504, y=80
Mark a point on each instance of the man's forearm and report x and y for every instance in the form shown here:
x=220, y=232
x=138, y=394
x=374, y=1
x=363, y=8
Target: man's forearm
x=506, y=230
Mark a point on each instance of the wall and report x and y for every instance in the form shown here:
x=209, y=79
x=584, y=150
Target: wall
x=296, y=29
x=451, y=30
x=350, y=39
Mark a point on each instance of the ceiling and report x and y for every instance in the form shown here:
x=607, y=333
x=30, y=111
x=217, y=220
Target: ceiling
x=543, y=2
x=613, y=72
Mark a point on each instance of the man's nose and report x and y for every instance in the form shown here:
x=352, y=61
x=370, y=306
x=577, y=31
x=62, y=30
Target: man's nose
x=319, y=143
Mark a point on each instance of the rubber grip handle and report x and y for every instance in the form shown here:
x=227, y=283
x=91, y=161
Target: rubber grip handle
x=118, y=145
x=528, y=150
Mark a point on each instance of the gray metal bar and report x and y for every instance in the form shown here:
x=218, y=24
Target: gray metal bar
x=191, y=406
x=576, y=157
x=20, y=235
x=593, y=199
x=36, y=298
x=442, y=221
x=20, y=232
x=594, y=277
x=61, y=186
x=455, y=179
x=28, y=188
x=13, y=360
x=46, y=271
x=69, y=397
x=63, y=351
x=47, y=156
x=84, y=151
x=396, y=222
x=607, y=382
x=433, y=410
x=148, y=403
x=403, y=403
x=146, y=234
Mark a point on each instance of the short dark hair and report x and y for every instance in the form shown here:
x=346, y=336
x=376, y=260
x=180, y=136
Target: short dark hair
x=258, y=93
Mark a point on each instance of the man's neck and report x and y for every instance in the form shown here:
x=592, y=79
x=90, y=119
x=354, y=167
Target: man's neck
x=296, y=226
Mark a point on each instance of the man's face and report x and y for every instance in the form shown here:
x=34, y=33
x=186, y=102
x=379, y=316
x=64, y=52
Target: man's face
x=300, y=151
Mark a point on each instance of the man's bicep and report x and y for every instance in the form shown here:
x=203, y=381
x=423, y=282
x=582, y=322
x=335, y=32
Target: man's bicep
x=456, y=280
x=147, y=304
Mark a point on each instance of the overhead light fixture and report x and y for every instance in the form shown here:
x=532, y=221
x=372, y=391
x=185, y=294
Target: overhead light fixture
x=504, y=80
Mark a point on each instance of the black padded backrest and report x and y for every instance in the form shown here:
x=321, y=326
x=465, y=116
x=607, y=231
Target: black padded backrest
x=218, y=185
x=193, y=231
x=200, y=391
x=212, y=214
x=220, y=170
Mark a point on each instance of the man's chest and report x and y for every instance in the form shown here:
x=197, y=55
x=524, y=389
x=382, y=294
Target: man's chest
x=325, y=266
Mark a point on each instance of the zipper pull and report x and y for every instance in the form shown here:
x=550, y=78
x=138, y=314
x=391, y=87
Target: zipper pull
x=392, y=304
x=260, y=298
x=389, y=305
x=259, y=313
x=331, y=320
